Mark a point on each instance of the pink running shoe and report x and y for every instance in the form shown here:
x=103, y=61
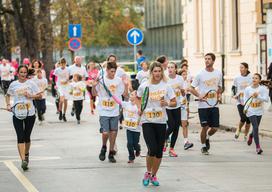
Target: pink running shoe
x=172, y=153
x=154, y=181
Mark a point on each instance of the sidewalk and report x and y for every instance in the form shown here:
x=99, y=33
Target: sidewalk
x=229, y=119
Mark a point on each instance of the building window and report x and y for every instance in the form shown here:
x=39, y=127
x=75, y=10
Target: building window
x=235, y=25
x=263, y=55
x=263, y=12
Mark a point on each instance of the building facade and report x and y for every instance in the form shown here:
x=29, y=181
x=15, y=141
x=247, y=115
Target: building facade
x=228, y=28
x=163, y=23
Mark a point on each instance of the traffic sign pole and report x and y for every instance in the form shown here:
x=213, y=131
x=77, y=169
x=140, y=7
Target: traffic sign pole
x=135, y=59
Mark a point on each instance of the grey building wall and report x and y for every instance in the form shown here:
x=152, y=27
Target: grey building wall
x=163, y=23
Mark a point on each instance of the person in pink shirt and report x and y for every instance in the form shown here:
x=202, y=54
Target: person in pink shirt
x=93, y=74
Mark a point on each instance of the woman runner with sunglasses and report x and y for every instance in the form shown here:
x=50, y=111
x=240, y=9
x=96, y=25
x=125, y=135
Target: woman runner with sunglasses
x=23, y=91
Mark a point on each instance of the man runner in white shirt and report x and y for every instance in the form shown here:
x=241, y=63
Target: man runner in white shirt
x=208, y=79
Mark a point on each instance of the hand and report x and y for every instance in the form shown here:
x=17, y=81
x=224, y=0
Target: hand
x=182, y=92
x=163, y=102
x=254, y=95
x=8, y=107
x=27, y=95
x=201, y=98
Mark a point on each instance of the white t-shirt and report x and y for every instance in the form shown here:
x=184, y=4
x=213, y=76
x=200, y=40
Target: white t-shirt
x=107, y=106
x=63, y=76
x=154, y=113
x=5, y=72
x=206, y=81
x=12, y=73
x=77, y=90
x=42, y=85
x=120, y=72
x=241, y=83
x=176, y=84
x=256, y=107
x=74, y=69
x=130, y=112
x=17, y=90
x=142, y=76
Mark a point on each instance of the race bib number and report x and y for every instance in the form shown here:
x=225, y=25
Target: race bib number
x=23, y=106
x=184, y=101
x=212, y=95
x=255, y=105
x=154, y=114
x=108, y=104
x=63, y=82
x=130, y=124
x=241, y=98
x=77, y=94
x=178, y=93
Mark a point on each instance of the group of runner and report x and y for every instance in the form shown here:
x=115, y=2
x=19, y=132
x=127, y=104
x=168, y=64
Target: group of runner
x=167, y=107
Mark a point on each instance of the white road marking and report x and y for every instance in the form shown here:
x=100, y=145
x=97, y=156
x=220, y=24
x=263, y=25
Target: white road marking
x=23, y=180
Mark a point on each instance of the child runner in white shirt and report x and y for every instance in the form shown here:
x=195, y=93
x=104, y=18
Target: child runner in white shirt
x=5, y=73
x=40, y=104
x=143, y=75
x=184, y=112
x=78, y=92
x=130, y=122
x=63, y=87
x=240, y=83
x=255, y=110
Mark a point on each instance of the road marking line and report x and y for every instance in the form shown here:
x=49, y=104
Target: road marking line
x=35, y=158
x=24, y=181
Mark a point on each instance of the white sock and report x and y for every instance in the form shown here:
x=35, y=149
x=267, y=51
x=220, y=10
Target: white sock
x=203, y=145
x=185, y=140
x=208, y=136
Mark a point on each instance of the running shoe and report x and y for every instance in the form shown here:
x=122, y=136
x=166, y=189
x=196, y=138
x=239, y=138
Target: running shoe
x=24, y=165
x=204, y=151
x=111, y=158
x=172, y=153
x=27, y=158
x=60, y=115
x=64, y=118
x=130, y=161
x=42, y=117
x=164, y=148
x=208, y=144
x=72, y=112
x=146, y=179
x=250, y=138
x=237, y=133
x=102, y=155
x=154, y=181
x=259, y=151
x=188, y=145
x=78, y=122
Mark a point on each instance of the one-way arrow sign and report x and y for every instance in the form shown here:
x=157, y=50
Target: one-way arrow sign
x=135, y=36
x=74, y=31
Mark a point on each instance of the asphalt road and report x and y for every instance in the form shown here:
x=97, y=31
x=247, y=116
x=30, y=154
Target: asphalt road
x=64, y=157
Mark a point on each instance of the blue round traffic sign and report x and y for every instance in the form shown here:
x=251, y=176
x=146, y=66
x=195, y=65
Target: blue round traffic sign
x=74, y=44
x=135, y=36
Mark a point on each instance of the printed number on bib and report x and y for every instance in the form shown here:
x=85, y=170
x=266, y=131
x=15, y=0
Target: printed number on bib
x=255, y=104
x=108, y=104
x=130, y=124
x=154, y=114
x=21, y=107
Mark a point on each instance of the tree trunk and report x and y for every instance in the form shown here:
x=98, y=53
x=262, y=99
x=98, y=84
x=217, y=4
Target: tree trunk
x=2, y=39
x=7, y=53
x=46, y=35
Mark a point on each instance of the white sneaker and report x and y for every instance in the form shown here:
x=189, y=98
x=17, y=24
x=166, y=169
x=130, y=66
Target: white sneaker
x=40, y=123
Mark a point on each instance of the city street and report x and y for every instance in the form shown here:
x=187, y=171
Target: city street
x=64, y=157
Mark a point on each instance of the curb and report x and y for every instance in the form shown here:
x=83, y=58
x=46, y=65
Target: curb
x=233, y=129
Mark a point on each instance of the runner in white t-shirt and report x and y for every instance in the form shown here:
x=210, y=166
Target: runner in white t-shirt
x=130, y=122
x=173, y=113
x=108, y=108
x=5, y=73
x=256, y=110
x=208, y=79
x=143, y=75
x=154, y=119
x=63, y=87
x=78, y=88
x=23, y=91
x=40, y=104
x=240, y=83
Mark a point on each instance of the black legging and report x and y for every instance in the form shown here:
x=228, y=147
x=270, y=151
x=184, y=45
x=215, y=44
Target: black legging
x=23, y=128
x=40, y=105
x=255, y=121
x=78, y=105
x=5, y=86
x=154, y=135
x=173, y=122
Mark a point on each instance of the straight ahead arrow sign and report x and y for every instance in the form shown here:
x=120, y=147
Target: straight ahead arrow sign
x=135, y=35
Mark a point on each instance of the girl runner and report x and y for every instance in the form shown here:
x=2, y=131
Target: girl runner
x=154, y=119
x=173, y=113
x=23, y=91
x=93, y=74
x=143, y=74
x=63, y=87
x=130, y=122
x=37, y=64
x=40, y=104
x=184, y=112
x=78, y=93
x=255, y=110
x=240, y=83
